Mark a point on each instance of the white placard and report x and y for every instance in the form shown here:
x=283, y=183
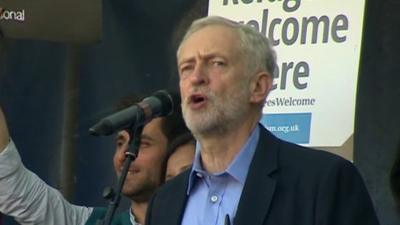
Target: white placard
x=318, y=44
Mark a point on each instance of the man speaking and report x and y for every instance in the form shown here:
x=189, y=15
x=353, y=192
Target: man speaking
x=242, y=174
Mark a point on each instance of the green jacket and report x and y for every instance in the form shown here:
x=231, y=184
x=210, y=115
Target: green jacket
x=100, y=213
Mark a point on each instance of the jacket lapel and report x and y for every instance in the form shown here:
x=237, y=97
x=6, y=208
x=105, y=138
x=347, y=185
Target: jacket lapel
x=259, y=188
x=175, y=202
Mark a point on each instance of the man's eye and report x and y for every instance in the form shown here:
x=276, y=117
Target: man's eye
x=218, y=63
x=144, y=144
x=185, y=70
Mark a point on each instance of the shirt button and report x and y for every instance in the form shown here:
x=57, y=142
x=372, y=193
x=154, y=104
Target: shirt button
x=214, y=199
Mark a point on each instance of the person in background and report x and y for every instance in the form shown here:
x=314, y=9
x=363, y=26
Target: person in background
x=242, y=174
x=38, y=203
x=181, y=154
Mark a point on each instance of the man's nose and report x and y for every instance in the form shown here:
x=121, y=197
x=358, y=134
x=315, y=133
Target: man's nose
x=200, y=75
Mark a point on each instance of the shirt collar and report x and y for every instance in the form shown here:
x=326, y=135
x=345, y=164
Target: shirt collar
x=132, y=218
x=238, y=168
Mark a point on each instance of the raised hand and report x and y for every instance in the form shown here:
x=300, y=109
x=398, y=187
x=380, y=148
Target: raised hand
x=4, y=135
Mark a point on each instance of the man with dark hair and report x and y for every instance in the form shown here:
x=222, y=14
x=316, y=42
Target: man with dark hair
x=38, y=203
x=242, y=174
x=180, y=155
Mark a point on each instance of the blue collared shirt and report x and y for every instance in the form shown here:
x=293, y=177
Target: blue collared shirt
x=213, y=196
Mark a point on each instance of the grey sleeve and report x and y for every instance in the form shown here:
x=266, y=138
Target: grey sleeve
x=27, y=198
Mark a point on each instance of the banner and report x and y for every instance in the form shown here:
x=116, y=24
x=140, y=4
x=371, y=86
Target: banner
x=318, y=44
x=54, y=20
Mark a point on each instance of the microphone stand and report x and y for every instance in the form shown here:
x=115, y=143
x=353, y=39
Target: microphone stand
x=135, y=133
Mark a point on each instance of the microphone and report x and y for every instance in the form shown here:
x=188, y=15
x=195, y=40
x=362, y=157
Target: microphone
x=158, y=105
x=227, y=220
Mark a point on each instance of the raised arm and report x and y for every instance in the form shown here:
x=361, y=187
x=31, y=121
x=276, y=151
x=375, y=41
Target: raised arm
x=27, y=198
x=4, y=135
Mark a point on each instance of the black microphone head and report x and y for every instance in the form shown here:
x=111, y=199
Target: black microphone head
x=160, y=104
x=167, y=102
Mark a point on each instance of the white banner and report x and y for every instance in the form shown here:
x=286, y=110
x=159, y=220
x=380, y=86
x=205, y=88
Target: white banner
x=318, y=44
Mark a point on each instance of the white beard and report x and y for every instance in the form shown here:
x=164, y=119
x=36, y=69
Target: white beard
x=221, y=113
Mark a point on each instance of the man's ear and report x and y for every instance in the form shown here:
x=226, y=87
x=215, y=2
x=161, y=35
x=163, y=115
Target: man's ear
x=260, y=87
x=124, y=137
